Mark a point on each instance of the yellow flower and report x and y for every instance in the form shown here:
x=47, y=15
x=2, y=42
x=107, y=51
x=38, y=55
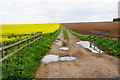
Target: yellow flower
x=29, y=28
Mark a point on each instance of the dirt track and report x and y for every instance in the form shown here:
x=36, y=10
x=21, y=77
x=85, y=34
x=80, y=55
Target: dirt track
x=87, y=64
x=85, y=27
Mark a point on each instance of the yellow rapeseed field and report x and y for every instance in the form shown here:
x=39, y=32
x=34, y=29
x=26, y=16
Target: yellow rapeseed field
x=29, y=28
x=26, y=29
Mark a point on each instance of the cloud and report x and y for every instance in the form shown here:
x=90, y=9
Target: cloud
x=56, y=11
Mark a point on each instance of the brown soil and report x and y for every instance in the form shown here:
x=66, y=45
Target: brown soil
x=85, y=27
x=87, y=64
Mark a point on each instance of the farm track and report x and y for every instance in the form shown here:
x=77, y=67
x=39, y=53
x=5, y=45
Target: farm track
x=87, y=64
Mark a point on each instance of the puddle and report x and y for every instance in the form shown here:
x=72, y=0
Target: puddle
x=86, y=44
x=78, y=42
x=55, y=58
x=67, y=58
x=64, y=48
x=50, y=58
x=59, y=43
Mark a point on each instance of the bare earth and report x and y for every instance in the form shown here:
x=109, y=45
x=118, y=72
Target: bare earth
x=87, y=64
x=85, y=27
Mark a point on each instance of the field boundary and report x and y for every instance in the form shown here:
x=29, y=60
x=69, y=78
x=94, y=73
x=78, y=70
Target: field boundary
x=111, y=47
x=4, y=49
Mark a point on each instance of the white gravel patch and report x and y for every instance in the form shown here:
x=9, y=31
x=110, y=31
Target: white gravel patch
x=86, y=44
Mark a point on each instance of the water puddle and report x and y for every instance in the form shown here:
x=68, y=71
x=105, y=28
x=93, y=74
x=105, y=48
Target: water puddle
x=67, y=58
x=59, y=43
x=64, y=48
x=86, y=44
x=50, y=58
x=78, y=42
x=55, y=58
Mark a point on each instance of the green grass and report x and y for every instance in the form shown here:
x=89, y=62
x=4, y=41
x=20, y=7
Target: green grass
x=109, y=46
x=65, y=34
x=25, y=64
x=16, y=47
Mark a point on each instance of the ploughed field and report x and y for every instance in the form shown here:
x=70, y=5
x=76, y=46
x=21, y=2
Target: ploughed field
x=85, y=27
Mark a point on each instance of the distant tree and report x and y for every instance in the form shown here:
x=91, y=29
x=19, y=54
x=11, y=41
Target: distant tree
x=116, y=19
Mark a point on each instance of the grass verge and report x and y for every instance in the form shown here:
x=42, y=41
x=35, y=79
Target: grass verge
x=65, y=34
x=24, y=65
x=109, y=46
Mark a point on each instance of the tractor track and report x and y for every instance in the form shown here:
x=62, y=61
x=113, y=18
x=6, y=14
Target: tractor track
x=87, y=64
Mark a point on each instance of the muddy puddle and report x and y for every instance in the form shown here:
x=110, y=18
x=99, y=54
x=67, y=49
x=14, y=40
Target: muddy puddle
x=56, y=58
x=64, y=48
x=86, y=44
x=59, y=43
x=67, y=58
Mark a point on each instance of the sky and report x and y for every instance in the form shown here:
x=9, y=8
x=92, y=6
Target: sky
x=57, y=11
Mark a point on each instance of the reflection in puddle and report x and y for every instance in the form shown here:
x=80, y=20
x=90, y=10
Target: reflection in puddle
x=59, y=43
x=55, y=58
x=67, y=58
x=86, y=44
x=50, y=58
x=64, y=48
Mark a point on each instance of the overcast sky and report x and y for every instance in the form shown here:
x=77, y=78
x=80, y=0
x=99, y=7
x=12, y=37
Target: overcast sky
x=56, y=11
